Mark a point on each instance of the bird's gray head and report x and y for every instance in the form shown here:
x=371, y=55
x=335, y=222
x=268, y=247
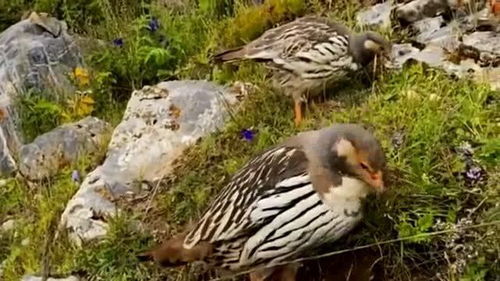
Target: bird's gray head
x=365, y=46
x=351, y=150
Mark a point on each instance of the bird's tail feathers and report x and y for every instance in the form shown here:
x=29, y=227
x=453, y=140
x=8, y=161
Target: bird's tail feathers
x=172, y=252
x=229, y=55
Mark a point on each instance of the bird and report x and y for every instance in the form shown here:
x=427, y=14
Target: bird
x=283, y=204
x=308, y=55
x=494, y=7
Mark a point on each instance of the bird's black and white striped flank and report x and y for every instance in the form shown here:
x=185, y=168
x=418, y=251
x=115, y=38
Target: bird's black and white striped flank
x=269, y=213
x=309, y=48
x=284, y=204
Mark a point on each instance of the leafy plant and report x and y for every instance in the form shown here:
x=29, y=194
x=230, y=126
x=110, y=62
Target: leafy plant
x=38, y=114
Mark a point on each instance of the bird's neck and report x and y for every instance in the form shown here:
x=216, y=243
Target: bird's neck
x=350, y=189
x=347, y=197
x=360, y=54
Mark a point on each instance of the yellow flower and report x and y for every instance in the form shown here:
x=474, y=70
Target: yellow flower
x=79, y=106
x=85, y=106
x=81, y=76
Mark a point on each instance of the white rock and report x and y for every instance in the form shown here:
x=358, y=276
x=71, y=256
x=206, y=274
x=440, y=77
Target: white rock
x=469, y=69
x=158, y=124
x=8, y=226
x=432, y=31
x=486, y=42
x=25, y=242
x=419, y=9
x=431, y=55
x=378, y=15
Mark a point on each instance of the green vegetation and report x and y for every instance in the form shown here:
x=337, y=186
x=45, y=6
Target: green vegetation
x=420, y=115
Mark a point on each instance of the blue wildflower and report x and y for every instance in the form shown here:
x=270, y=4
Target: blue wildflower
x=75, y=176
x=247, y=134
x=153, y=24
x=118, y=42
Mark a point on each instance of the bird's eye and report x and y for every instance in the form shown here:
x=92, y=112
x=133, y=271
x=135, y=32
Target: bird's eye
x=364, y=166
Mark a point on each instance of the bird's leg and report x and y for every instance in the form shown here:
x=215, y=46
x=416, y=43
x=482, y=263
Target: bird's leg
x=298, y=111
x=288, y=273
x=261, y=275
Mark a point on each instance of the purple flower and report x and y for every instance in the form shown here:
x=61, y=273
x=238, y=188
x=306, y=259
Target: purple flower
x=153, y=24
x=247, y=134
x=118, y=42
x=75, y=176
x=474, y=174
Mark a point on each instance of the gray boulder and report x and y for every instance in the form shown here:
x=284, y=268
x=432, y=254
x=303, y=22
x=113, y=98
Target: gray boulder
x=378, y=15
x=487, y=43
x=434, y=31
x=419, y=9
x=431, y=55
x=7, y=226
x=62, y=146
x=36, y=53
x=450, y=45
x=158, y=124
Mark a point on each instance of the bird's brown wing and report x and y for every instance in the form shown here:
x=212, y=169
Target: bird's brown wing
x=286, y=40
x=229, y=216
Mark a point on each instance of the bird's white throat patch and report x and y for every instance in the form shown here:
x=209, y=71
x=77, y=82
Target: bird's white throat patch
x=346, y=196
x=371, y=45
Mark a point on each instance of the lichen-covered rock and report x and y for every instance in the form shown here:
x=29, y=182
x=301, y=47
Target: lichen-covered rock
x=7, y=226
x=431, y=55
x=378, y=15
x=435, y=56
x=434, y=31
x=36, y=53
x=420, y=9
x=487, y=43
x=416, y=10
x=62, y=146
x=158, y=124
x=448, y=44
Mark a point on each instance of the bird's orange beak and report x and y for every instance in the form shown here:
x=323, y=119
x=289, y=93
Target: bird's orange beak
x=376, y=181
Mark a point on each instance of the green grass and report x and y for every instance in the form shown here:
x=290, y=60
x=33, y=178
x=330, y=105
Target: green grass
x=433, y=114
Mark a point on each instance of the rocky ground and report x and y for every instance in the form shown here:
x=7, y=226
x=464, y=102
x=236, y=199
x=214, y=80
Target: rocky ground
x=116, y=130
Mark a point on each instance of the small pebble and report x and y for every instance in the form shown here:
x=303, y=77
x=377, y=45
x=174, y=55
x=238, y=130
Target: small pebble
x=434, y=97
x=8, y=226
x=25, y=242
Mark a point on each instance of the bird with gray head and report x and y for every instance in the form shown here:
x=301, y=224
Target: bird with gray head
x=284, y=204
x=309, y=54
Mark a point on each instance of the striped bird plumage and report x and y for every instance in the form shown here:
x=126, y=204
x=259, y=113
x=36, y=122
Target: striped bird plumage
x=269, y=213
x=309, y=54
x=284, y=204
x=309, y=49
